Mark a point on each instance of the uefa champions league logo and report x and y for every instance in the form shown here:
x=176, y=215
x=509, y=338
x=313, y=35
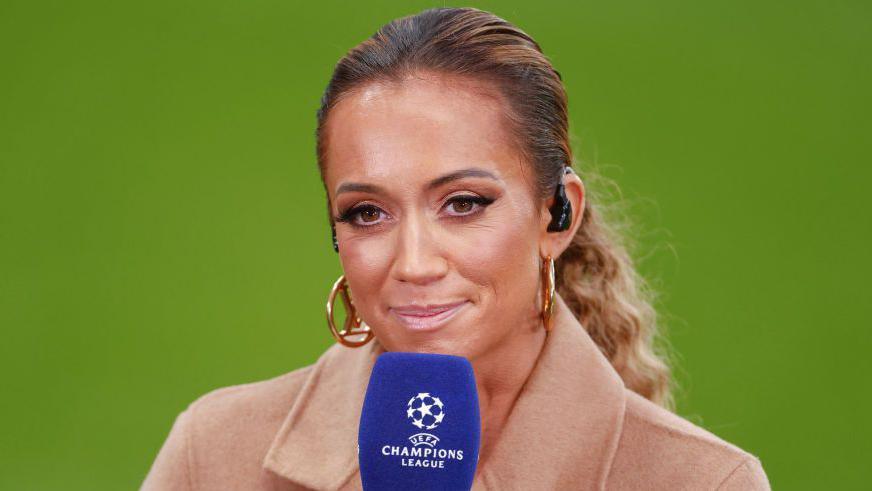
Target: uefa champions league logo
x=426, y=412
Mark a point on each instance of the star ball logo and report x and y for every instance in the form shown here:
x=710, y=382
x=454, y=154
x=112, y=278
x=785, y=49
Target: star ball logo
x=425, y=411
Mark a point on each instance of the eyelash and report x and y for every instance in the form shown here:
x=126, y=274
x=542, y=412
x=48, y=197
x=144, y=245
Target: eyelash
x=349, y=215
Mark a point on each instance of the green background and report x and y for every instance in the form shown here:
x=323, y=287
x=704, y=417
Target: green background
x=162, y=225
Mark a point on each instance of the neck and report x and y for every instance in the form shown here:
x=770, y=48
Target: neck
x=500, y=375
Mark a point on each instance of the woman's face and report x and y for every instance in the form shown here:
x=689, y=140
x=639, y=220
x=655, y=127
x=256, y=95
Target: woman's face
x=437, y=212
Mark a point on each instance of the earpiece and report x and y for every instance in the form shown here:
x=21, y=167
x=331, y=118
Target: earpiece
x=561, y=210
x=335, y=243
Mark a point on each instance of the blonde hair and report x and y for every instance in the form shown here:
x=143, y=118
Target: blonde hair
x=595, y=275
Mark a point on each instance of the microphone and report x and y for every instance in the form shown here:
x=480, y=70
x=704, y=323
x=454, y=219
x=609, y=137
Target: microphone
x=420, y=426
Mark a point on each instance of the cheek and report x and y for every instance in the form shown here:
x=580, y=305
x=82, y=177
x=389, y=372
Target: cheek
x=498, y=253
x=502, y=262
x=366, y=264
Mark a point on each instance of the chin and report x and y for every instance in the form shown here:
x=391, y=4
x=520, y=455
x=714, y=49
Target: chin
x=438, y=345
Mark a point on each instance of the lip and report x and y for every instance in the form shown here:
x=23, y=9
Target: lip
x=427, y=317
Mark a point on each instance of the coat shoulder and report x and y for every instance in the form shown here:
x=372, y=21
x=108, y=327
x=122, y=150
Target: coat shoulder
x=658, y=449
x=223, y=435
x=249, y=413
x=258, y=400
x=232, y=428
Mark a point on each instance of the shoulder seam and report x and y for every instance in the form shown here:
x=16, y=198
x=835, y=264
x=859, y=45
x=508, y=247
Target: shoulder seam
x=617, y=441
x=188, y=414
x=675, y=431
x=230, y=389
x=744, y=462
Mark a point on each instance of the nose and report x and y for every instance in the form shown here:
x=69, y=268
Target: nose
x=419, y=259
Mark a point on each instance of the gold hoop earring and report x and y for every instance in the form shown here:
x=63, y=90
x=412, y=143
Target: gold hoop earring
x=353, y=325
x=548, y=292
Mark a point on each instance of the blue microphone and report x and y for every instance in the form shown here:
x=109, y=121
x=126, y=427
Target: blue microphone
x=420, y=426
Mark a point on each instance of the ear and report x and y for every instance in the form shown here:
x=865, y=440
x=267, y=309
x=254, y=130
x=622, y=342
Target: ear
x=554, y=243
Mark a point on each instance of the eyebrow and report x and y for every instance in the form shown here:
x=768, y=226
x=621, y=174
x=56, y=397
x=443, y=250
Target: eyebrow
x=435, y=183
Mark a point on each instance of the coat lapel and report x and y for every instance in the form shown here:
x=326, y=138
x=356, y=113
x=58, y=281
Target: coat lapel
x=316, y=445
x=564, y=429
x=562, y=433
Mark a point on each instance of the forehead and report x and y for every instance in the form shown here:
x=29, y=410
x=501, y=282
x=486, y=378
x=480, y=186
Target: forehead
x=412, y=131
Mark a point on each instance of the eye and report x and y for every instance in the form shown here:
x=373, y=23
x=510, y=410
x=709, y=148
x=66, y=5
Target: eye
x=361, y=216
x=466, y=205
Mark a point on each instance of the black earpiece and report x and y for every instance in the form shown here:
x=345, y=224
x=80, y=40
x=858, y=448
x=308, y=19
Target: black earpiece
x=335, y=243
x=561, y=210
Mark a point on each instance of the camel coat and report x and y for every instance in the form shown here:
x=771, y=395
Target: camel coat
x=574, y=426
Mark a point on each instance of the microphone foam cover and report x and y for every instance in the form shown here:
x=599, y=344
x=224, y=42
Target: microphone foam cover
x=420, y=426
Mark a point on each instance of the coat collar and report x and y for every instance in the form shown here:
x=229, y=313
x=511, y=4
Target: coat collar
x=563, y=430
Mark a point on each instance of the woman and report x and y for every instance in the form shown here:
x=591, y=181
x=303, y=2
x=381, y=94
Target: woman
x=461, y=227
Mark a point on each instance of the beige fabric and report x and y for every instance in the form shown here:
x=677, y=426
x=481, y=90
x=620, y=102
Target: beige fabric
x=574, y=426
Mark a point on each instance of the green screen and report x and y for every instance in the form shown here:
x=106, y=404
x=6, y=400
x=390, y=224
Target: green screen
x=163, y=229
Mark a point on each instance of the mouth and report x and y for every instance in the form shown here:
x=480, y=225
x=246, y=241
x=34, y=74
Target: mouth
x=427, y=318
